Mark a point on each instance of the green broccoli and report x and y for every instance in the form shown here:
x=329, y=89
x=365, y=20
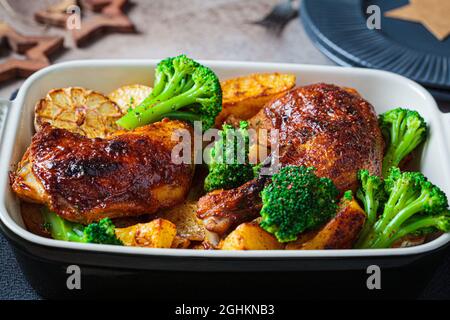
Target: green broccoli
x=413, y=204
x=61, y=229
x=348, y=195
x=183, y=89
x=229, y=165
x=102, y=232
x=297, y=200
x=403, y=130
x=372, y=195
x=423, y=224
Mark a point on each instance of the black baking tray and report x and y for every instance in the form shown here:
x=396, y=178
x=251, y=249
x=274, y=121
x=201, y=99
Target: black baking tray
x=111, y=275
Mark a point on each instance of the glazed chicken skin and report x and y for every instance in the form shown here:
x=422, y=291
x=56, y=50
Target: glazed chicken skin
x=84, y=180
x=222, y=209
x=321, y=125
x=327, y=127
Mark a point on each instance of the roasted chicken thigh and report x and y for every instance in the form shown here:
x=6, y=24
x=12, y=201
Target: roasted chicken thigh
x=327, y=127
x=324, y=126
x=83, y=180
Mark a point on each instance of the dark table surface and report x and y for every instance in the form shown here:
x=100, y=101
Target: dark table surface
x=13, y=285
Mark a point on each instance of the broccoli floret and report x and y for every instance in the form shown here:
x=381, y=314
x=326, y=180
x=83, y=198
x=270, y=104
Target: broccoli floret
x=372, y=195
x=411, y=199
x=423, y=224
x=102, y=232
x=297, y=200
x=403, y=130
x=348, y=195
x=229, y=165
x=183, y=89
x=61, y=229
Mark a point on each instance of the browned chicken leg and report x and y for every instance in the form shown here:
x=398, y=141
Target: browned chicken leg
x=322, y=126
x=221, y=209
x=84, y=180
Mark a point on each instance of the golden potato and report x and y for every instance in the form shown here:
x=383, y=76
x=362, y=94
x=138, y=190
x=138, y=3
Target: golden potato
x=78, y=110
x=180, y=243
x=243, y=97
x=250, y=236
x=341, y=232
x=158, y=233
x=184, y=216
x=301, y=240
x=129, y=96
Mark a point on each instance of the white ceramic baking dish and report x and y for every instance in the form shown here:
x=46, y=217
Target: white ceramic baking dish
x=383, y=89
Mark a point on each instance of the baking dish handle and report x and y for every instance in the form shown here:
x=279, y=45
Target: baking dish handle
x=4, y=108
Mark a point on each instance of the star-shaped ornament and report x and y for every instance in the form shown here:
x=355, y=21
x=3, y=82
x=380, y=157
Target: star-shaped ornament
x=432, y=14
x=109, y=17
x=34, y=48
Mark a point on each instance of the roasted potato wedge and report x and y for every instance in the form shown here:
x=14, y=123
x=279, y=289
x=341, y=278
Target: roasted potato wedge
x=180, y=243
x=184, y=216
x=158, y=233
x=250, y=236
x=301, y=240
x=78, y=110
x=243, y=97
x=130, y=96
x=341, y=232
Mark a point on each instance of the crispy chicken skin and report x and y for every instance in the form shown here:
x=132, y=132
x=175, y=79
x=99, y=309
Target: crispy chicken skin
x=84, y=180
x=222, y=210
x=324, y=126
x=327, y=127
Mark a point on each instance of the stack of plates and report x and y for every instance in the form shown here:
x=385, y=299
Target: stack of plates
x=339, y=29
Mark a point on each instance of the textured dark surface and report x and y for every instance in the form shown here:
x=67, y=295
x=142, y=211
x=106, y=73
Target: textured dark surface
x=12, y=282
x=439, y=286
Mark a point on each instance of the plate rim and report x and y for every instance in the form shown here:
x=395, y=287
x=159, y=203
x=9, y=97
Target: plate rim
x=335, y=52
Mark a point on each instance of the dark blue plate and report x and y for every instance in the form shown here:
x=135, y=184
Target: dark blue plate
x=338, y=28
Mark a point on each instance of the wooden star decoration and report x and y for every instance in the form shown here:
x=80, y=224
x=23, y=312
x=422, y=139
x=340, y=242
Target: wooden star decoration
x=55, y=15
x=35, y=49
x=432, y=14
x=98, y=5
x=110, y=18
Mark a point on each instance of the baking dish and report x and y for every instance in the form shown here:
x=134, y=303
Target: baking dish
x=383, y=89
